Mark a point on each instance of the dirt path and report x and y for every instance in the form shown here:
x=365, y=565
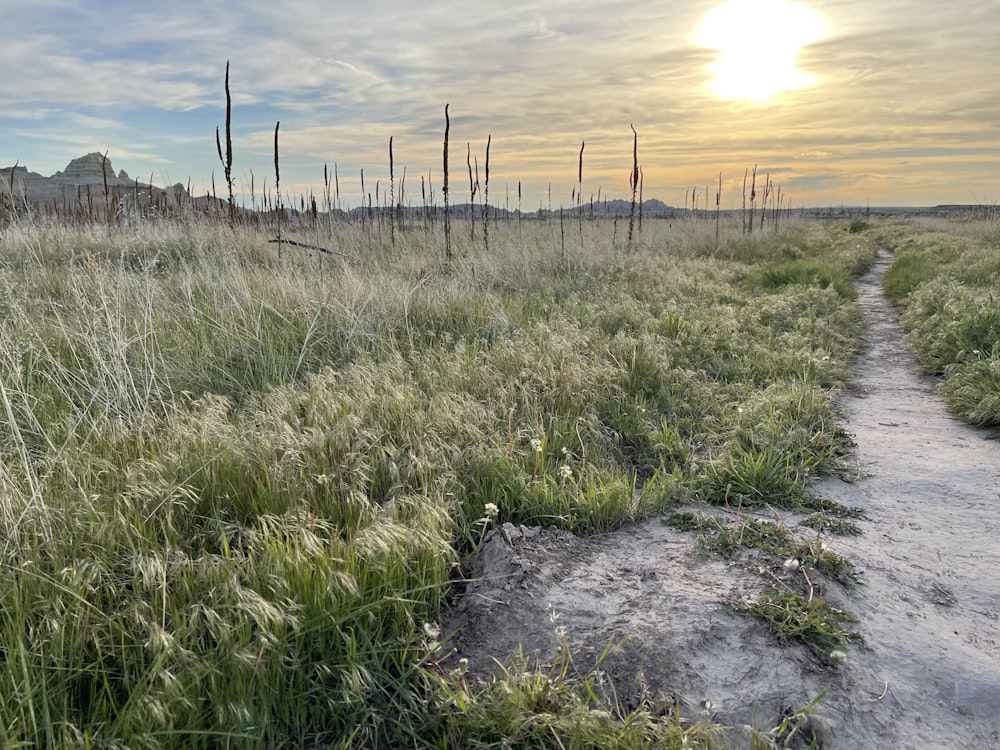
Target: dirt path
x=929, y=556
x=931, y=552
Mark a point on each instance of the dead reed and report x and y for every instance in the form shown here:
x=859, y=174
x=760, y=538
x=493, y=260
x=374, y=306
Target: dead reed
x=486, y=198
x=633, y=180
x=447, y=211
x=227, y=162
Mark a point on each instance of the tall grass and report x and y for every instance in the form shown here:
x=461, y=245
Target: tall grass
x=237, y=485
x=946, y=276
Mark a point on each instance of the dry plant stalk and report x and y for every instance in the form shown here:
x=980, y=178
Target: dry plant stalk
x=744, y=212
x=753, y=197
x=763, y=203
x=227, y=162
x=718, y=200
x=107, y=197
x=447, y=211
x=519, y=214
x=277, y=184
x=633, y=180
x=327, y=205
x=641, y=177
x=579, y=191
x=486, y=197
x=392, y=197
x=472, y=190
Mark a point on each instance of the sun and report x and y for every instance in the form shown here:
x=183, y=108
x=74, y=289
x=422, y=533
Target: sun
x=757, y=43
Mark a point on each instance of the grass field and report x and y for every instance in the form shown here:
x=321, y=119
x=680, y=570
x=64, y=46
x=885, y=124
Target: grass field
x=946, y=278
x=239, y=480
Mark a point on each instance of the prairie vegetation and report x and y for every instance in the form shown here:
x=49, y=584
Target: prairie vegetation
x=946, y=278
x=240, y=482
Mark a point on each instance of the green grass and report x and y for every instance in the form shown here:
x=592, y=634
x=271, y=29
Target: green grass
x=729, y=537
x=813, y=622
x=807, y=273
x=236, y=486
x=945, y=275
x=908, y=271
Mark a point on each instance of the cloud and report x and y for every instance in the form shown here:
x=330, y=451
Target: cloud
x=895, y=80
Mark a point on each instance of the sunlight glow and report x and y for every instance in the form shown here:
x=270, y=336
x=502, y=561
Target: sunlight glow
x=757, y=43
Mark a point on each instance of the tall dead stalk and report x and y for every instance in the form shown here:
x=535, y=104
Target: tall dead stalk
x=472, y=191
x=447, y=211
x=579, y=191
x=107, y=196
x=277, y=185
x=392, y=198
x=718, y=201
x=633, y=180
x=744, y=212
x=486, y=198
x=227, y=161
x=763, y=203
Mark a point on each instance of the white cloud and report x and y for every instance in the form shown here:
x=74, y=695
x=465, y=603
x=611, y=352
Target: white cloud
x=343, y=77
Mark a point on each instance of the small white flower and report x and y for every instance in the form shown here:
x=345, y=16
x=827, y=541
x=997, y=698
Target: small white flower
x=491, y=510
x=536, y=445
x=431, y=630
x=791, y=564
x=838, y=655
x=565, y=472
x=463, y=665
x=565, y=451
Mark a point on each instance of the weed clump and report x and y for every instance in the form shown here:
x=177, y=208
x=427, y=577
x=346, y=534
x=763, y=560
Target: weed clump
x=815, y=623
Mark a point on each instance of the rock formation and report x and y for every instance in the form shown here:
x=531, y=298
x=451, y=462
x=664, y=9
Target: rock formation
x=86, y=182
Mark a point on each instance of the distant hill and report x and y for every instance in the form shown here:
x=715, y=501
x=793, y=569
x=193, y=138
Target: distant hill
x=81, y=184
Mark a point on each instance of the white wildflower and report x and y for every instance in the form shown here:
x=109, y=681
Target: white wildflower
x=431, y=630
x=837, y=656
x=491, y=510
x=536, y=445
x=565, y=472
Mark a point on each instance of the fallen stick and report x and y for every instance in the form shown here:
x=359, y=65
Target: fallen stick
x=313, y=247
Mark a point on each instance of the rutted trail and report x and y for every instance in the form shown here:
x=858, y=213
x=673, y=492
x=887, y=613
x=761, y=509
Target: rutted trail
x=929, y=607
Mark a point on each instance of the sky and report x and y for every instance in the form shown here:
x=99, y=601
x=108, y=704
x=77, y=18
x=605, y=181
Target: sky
x=840, y=102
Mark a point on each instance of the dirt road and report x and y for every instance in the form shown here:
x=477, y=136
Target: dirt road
x=929, y=607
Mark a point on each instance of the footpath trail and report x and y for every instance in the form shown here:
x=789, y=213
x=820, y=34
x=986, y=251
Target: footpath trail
x=929, y=607
x=930, y=551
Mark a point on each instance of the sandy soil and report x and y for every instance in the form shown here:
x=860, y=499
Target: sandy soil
x=929, y=607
